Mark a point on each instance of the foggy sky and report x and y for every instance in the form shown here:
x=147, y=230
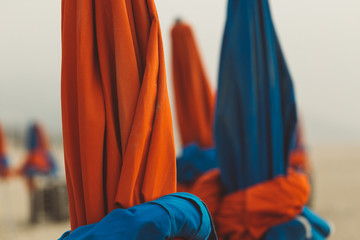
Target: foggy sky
x=320, y=40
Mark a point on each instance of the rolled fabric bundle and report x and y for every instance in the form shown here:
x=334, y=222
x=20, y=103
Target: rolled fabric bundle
x=178, y=215
x=307, y=224
x=249, y=213
x=193, y=163
x=270, y=210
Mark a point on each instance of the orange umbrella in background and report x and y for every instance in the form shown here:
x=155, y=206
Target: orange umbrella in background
x=117, y=126
x=4, y=165
x=194, y=97
x=195, y=102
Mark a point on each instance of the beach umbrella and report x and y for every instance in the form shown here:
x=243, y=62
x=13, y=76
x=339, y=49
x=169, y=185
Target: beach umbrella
x=4, y=165
x=194, y=100
x=117, y=126
x=256, y=112
x=254, y=190
x=194, y=97
x=39, y=160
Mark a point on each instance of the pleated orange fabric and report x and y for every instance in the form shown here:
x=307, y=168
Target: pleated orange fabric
x=117, y=126
x=194, y=98
x=248, y=214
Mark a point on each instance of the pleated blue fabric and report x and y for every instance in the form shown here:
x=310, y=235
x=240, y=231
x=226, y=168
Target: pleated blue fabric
x=256, y=111
x=194, y=162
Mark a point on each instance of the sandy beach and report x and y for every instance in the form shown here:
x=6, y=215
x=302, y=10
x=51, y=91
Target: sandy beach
x=337, y=188
x=336, y=197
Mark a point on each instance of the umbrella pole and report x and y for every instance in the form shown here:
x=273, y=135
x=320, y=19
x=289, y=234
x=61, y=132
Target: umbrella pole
x=8, y=212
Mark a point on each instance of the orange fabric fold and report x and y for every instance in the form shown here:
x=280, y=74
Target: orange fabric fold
x=208, y=188
x=37, y=158
x=299, y=160
x=117, y=126
x=194, y=98
x=248, y=214
x=299, y=157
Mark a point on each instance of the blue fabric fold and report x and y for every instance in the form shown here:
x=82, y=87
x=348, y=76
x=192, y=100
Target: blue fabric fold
x=194, y=162
x=178, y=215
x=307, y=226
x=256, y=112
x=319, y=224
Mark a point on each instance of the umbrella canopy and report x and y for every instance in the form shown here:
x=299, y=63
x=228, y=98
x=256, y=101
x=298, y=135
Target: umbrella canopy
x=39, y=159
x=256, y=111
x=254, y=134
x=117, y=126
x=194, y=106
x=255, y=120
x=193, y=96
x=4, y=165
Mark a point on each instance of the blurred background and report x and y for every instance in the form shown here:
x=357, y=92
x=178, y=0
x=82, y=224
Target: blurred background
x=320, y=40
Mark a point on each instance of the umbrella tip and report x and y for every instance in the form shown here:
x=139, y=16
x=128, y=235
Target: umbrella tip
x=178, y=20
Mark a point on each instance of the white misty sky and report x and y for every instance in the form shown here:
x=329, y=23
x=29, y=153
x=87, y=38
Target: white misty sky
x=320, y=40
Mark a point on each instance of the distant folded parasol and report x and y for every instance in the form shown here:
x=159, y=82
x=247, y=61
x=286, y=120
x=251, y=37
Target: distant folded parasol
x=195, y=105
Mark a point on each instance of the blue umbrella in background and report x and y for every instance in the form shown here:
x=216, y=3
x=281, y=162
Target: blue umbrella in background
x=39, y=160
